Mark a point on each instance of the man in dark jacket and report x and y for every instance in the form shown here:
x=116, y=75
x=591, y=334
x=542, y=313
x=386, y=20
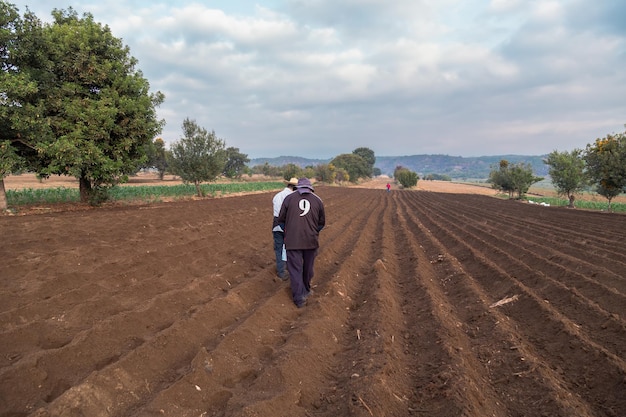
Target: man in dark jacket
x=303, y=214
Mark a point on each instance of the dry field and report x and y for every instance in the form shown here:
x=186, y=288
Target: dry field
x=425, y=303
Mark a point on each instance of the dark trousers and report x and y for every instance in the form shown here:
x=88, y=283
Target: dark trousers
x=279, y=239
x=300, y=265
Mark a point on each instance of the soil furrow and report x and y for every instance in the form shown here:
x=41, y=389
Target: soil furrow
x=609, y=264
x=599, y=381
x=570, y=226
x=375, y=341
x=565, y=289
x=175, y=310
x=161, y=359
x=490, y=338
x=467, y=378
x=256, y=366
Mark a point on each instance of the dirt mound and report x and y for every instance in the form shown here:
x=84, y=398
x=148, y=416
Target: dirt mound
x=424, y=304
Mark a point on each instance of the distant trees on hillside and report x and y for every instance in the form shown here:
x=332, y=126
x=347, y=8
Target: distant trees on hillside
x=437, y=177
x=457, y=167
x=345, y=167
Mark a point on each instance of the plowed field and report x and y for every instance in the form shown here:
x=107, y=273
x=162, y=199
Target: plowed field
x=424, y=304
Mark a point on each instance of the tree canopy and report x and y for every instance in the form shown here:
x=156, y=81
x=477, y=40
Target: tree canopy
x=567, y=173
x=84, y=109
x=368, y=156
x=513, y=178
x=354, y=165
x=606, y=165
x=235, y=163
x=405, y=177
x=199, y=156
x=156, y=153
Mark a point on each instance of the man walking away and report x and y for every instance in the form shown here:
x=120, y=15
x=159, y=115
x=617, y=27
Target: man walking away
x=304, y=217
x=278, y=229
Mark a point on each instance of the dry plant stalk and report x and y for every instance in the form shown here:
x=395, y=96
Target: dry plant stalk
x=505, y=300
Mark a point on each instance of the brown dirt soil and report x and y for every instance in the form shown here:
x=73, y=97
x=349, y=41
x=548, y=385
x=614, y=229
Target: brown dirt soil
x=16, y=182
x=425, y=304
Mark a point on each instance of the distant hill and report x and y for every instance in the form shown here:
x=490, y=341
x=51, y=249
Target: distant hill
x=284, y=160
x=456, y=167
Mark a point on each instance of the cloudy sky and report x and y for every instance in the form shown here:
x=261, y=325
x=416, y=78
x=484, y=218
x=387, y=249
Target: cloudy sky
x=317, y=78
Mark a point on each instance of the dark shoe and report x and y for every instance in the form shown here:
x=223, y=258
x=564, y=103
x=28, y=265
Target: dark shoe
x=302, y=304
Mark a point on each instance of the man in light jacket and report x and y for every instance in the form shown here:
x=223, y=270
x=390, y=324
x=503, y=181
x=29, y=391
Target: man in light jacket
x=278, y=229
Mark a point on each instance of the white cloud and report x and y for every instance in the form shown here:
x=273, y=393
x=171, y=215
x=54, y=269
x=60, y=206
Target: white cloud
x=505, y=6
x=464, y=77
x=548, y=10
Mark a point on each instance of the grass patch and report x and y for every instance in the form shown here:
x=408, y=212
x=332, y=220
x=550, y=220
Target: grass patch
x=142, y=193
x=29, y=196
x=581, y=204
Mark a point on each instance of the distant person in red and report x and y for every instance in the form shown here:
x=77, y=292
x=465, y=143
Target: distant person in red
x=388, y=187
x=302, y=213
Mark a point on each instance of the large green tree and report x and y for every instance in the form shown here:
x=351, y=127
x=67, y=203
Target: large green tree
x=235, y=163
x=368, y=156
x=355, y=166
x=567, y=170
x=606, y=165
x=90, y=113
x=500, y=179
x=14, y=85
x=157, y=159
x=199, y=156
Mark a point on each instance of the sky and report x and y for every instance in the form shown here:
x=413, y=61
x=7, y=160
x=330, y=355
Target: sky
x=319, y=78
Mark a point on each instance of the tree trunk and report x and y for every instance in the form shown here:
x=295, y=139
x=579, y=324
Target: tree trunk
x=3, y=196
x=572, y=197
x=198, y=190
x=85, y=189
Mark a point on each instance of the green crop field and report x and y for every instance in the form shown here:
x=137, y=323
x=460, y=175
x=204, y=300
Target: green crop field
x=146, y=193
x=581, y=204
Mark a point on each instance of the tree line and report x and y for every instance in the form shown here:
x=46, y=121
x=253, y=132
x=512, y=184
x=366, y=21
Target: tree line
x=73, y=103
x=600, y=166
x=200, y=156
